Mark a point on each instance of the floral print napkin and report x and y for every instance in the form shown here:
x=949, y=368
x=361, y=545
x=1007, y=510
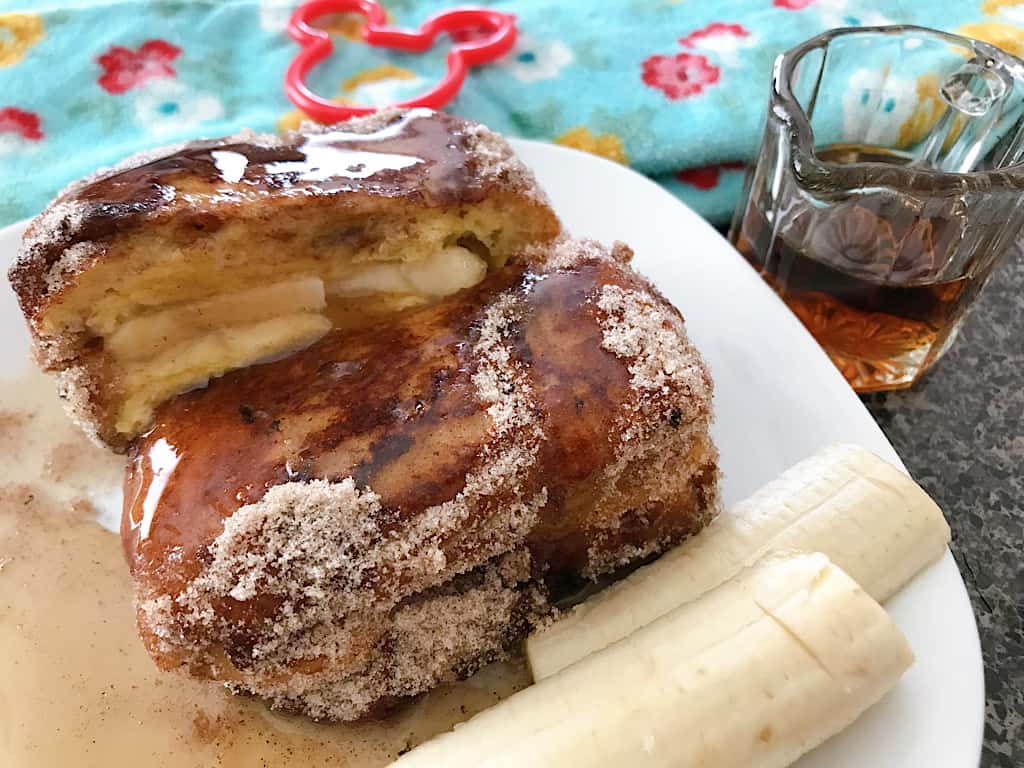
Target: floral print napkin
x=675, y=88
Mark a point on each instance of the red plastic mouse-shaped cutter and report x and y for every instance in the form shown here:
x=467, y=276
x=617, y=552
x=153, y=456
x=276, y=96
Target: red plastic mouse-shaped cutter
x=486, y=35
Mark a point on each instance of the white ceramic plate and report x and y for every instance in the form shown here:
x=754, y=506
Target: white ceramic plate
x=777, y=400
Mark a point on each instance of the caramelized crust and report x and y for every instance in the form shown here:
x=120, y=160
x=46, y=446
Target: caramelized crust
x=339, y=224
x=280, y=521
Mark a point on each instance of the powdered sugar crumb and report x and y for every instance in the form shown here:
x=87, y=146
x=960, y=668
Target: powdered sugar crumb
x=653, y=338
x=72, y=260
x=499, y=483
x=500, y=381
x=494, y=159
x=308, y=545
x=55, y=226
x=503, y=385
x=664, y=440
x=432, y=638
x=311, y=533
x=567, y=253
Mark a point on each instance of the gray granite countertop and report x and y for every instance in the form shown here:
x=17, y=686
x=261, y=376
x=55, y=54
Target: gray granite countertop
x=961, y=434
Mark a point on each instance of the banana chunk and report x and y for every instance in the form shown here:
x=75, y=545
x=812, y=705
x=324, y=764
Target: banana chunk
x=756, y=672
x=440, y=274
x=192, y=363
x=145, y=337
x=870, y=518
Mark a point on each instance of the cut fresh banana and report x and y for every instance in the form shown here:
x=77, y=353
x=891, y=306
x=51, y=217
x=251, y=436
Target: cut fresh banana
x=192, y=363
x=143, y=338
x=871, y=519
x=448, y=270
x=754, y=673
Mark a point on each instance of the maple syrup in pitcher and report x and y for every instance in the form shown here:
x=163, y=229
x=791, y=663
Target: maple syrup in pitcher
x=861, y=276
x=886, y=189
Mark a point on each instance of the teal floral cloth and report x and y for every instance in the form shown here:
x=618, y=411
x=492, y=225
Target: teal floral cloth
x=676, y=89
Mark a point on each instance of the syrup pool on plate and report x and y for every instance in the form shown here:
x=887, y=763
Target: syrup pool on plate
x=79, y=688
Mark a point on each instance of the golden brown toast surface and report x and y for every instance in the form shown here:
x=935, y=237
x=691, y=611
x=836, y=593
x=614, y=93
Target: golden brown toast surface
x=196, y=187
x=555, y=409
x=183, y=263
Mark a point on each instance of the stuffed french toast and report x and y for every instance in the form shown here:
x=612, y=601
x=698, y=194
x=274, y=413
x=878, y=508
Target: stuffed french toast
x=379, y=412
x=395, y=506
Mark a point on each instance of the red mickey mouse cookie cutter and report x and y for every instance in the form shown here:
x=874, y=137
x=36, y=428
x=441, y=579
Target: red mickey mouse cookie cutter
x=498, y=36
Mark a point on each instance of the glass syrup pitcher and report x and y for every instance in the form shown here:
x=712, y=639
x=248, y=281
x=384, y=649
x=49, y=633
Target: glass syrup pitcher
x=888, y=185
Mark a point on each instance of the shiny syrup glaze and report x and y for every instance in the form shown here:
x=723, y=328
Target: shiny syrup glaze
x=78, y=687
x=420, y=155
x=394, y=407
x=352, y=404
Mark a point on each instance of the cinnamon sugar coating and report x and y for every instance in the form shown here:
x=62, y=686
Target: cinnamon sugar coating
x=393, y=506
